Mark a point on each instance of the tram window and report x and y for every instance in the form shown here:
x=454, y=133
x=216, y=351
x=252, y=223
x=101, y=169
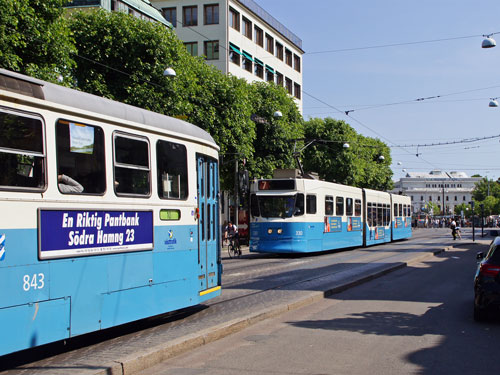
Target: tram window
x=172, y=170
x=131, y=163
x=339, y=206
x=395, y=209
x=387, y=211
x=379, y=214
x=400, y=206
x=349, y=206
x=357, y=207
x=328, y=205
x=254, y=206
x=371, y=214
x=311, y=204
x=405, y=210
x=80, y=156
x=22, y=156
x=299, y=205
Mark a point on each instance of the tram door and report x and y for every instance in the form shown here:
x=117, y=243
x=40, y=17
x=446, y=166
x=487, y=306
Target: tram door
x=208, y=228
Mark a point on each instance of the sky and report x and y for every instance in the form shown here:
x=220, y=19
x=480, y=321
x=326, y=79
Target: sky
x=457, y=76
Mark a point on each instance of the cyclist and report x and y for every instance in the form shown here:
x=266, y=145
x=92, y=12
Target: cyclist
x=231, y=233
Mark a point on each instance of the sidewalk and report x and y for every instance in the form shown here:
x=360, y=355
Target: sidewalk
x=138, y=351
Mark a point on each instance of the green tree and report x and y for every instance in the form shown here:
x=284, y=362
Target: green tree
x=274, y=136
x=358, y=165
x=35, y=39
x=484, y=188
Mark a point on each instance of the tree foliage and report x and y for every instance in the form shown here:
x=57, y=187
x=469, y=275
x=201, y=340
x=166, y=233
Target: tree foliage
x=358, y=165
x=35, y=39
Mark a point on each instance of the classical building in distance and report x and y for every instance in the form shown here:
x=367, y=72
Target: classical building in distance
x=452, y=188
x=239, y=38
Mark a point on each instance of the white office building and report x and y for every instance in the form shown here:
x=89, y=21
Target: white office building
x=240, y=38
x=453, y=188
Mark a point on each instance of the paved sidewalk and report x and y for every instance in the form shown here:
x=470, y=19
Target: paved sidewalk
x=135, y=352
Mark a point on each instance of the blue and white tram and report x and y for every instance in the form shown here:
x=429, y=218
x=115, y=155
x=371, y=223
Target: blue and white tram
x=304, y=215
x=109, y=213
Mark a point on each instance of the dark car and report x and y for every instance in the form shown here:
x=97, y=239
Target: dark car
x=487, y=282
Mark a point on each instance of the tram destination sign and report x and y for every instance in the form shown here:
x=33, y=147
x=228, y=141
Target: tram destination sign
x=72, y=233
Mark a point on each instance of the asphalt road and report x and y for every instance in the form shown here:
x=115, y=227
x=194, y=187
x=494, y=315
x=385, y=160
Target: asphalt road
x=417, y=320
x=255, y=288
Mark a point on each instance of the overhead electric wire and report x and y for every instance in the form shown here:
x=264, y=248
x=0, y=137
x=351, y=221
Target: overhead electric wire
x=394, y=44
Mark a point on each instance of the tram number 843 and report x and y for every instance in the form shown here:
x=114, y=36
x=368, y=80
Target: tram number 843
x=36, y=281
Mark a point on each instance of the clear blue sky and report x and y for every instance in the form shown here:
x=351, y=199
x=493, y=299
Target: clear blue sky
x=376, y=76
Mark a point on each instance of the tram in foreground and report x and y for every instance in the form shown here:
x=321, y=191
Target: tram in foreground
x=109, y=213
x=300, y=215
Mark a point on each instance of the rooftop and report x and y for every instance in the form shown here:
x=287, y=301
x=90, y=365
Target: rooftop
x=259, y=11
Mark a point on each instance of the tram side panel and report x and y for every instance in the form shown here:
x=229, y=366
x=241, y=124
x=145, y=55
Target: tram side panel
x=46, y=298
x=377, y=218
x=401, y=217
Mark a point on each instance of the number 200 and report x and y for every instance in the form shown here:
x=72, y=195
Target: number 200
x=33, y=282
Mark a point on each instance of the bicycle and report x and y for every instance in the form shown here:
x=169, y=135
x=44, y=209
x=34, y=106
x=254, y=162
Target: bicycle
x=233, y=248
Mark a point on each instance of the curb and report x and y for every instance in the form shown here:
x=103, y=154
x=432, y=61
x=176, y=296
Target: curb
x=155, y=355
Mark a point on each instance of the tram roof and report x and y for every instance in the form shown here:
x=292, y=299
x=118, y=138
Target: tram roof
x=25, y=85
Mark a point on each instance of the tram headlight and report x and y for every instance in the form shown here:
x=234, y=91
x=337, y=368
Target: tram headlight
x=269, y=231
x=279, y=231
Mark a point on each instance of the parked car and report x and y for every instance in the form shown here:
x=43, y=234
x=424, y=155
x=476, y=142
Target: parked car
x=487, y=282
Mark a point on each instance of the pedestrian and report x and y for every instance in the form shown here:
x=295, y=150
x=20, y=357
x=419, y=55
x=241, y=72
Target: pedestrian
x=453, y=227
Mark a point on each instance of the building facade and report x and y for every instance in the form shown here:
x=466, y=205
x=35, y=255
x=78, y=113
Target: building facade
x=453, y=188
x=239, y=38
x=138, y=8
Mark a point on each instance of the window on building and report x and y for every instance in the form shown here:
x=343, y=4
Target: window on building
x=464, y=198
x=131, y=165
x=258, y=36
x=447, y=198
x=269, y=74
x=430, y=198
x=259, y=68
x=172, y=171
x=234, y=19
x=234, y=54
x=192, y=48
x=247, y=28
x=269, y=44
x=328, y=205
x=296, y=62
x=439, y=198
x=296, y=90
x=288, y=57
x=279, y=51
x=211, y=14
x=83, y=162
x=247, y=62
x=289, y=86
x=170, y=15
x=456, y=198
x=279, y=79
x=422, y=198
x=190, y=16
x=212, y=49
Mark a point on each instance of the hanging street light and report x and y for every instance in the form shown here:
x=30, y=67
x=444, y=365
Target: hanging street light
x=169, y=72
x=493, y=102
x=489, y=42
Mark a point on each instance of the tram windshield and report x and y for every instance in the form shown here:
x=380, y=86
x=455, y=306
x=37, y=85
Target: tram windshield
x=272, y=206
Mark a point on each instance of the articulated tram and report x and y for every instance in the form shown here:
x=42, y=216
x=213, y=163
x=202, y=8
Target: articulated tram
x=299, y=215
x=109, y=213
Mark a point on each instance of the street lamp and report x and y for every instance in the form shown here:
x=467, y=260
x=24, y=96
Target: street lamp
x=277, y=114
x=169, y=72
x=489, y=42
x=493, y=102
